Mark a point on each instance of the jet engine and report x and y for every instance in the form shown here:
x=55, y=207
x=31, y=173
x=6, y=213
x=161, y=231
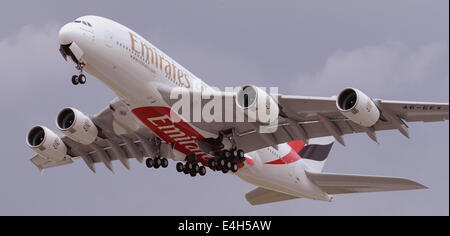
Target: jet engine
x=77, y=126
x=358, y=107
x=46, y=143
x=257, y=104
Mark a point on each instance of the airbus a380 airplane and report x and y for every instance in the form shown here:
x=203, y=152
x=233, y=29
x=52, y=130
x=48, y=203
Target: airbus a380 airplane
x=285, y=163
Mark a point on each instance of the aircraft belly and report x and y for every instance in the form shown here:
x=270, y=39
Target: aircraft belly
x=171, y=128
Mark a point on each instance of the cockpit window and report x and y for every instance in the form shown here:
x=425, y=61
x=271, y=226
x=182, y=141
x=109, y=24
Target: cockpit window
x=83, y=22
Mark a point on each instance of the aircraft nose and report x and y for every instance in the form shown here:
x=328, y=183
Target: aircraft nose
x=68, y=34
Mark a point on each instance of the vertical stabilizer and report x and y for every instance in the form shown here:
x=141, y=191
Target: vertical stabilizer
x=315, y=154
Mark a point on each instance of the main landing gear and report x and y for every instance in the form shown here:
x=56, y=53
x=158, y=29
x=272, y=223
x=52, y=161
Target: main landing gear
x=227, y=160
x=191, y=167
x=157, y=162
x=81, y=78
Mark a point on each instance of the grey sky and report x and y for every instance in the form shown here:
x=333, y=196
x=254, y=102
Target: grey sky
x=388, y=49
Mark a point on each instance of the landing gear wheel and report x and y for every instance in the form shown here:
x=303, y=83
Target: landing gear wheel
x=222, y=163
x=180, y=167
x=82, y=79
x=196, y=168
x=224, y=170
x=235, y=153
x=193, y=173
x=189, y=166
x=202, y=171
x=75, y=80
x=234, y=167
x=212, y=163
x=217, y=167
x=164, y=163
x=229, y=164
x=240, y=155
x=149, y=163
x=186, y=170
x=227, y=154
x=157, y=163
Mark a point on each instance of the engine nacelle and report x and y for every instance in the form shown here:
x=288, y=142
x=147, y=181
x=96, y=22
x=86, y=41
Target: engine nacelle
x=77, y=126
x=358, y=107
x=46, y=143
x=257, y=104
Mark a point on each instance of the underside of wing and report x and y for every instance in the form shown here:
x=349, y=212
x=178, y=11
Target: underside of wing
x=322, y=117
x=260, y=196
x=341, y=183
x=119, y=137
x=418, y=111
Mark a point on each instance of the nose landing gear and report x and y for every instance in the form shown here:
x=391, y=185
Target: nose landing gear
x=78, y=79
x=81, y=78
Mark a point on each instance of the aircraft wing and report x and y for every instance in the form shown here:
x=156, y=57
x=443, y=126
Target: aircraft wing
x=121, y=137
x=319, y=116
x=303, y=118
x=306, y=108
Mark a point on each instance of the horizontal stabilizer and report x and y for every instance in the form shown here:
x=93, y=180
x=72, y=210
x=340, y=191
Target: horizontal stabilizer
x=260, y=196
x=340, y=183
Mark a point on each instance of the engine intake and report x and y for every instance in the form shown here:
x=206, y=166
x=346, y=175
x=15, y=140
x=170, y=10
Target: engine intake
x=358, y=107
x=257, y=104
x=46, y=143
x=76, y=125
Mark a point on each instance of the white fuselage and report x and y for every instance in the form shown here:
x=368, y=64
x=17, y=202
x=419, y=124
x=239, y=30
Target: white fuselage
x=133, y=68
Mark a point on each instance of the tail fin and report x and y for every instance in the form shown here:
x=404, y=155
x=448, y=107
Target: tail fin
x=316, y=152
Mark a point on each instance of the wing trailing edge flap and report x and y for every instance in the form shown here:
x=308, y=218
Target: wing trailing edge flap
x=343, y=183
x=260, y=196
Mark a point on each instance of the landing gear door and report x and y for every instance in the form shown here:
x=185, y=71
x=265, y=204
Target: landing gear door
x=77, y=52
x=108, y=39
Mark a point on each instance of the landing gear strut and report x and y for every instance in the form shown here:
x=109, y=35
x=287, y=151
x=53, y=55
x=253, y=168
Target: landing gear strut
x=80, y=78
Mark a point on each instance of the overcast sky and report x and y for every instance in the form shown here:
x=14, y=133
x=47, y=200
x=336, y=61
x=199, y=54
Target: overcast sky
x=388, y=49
